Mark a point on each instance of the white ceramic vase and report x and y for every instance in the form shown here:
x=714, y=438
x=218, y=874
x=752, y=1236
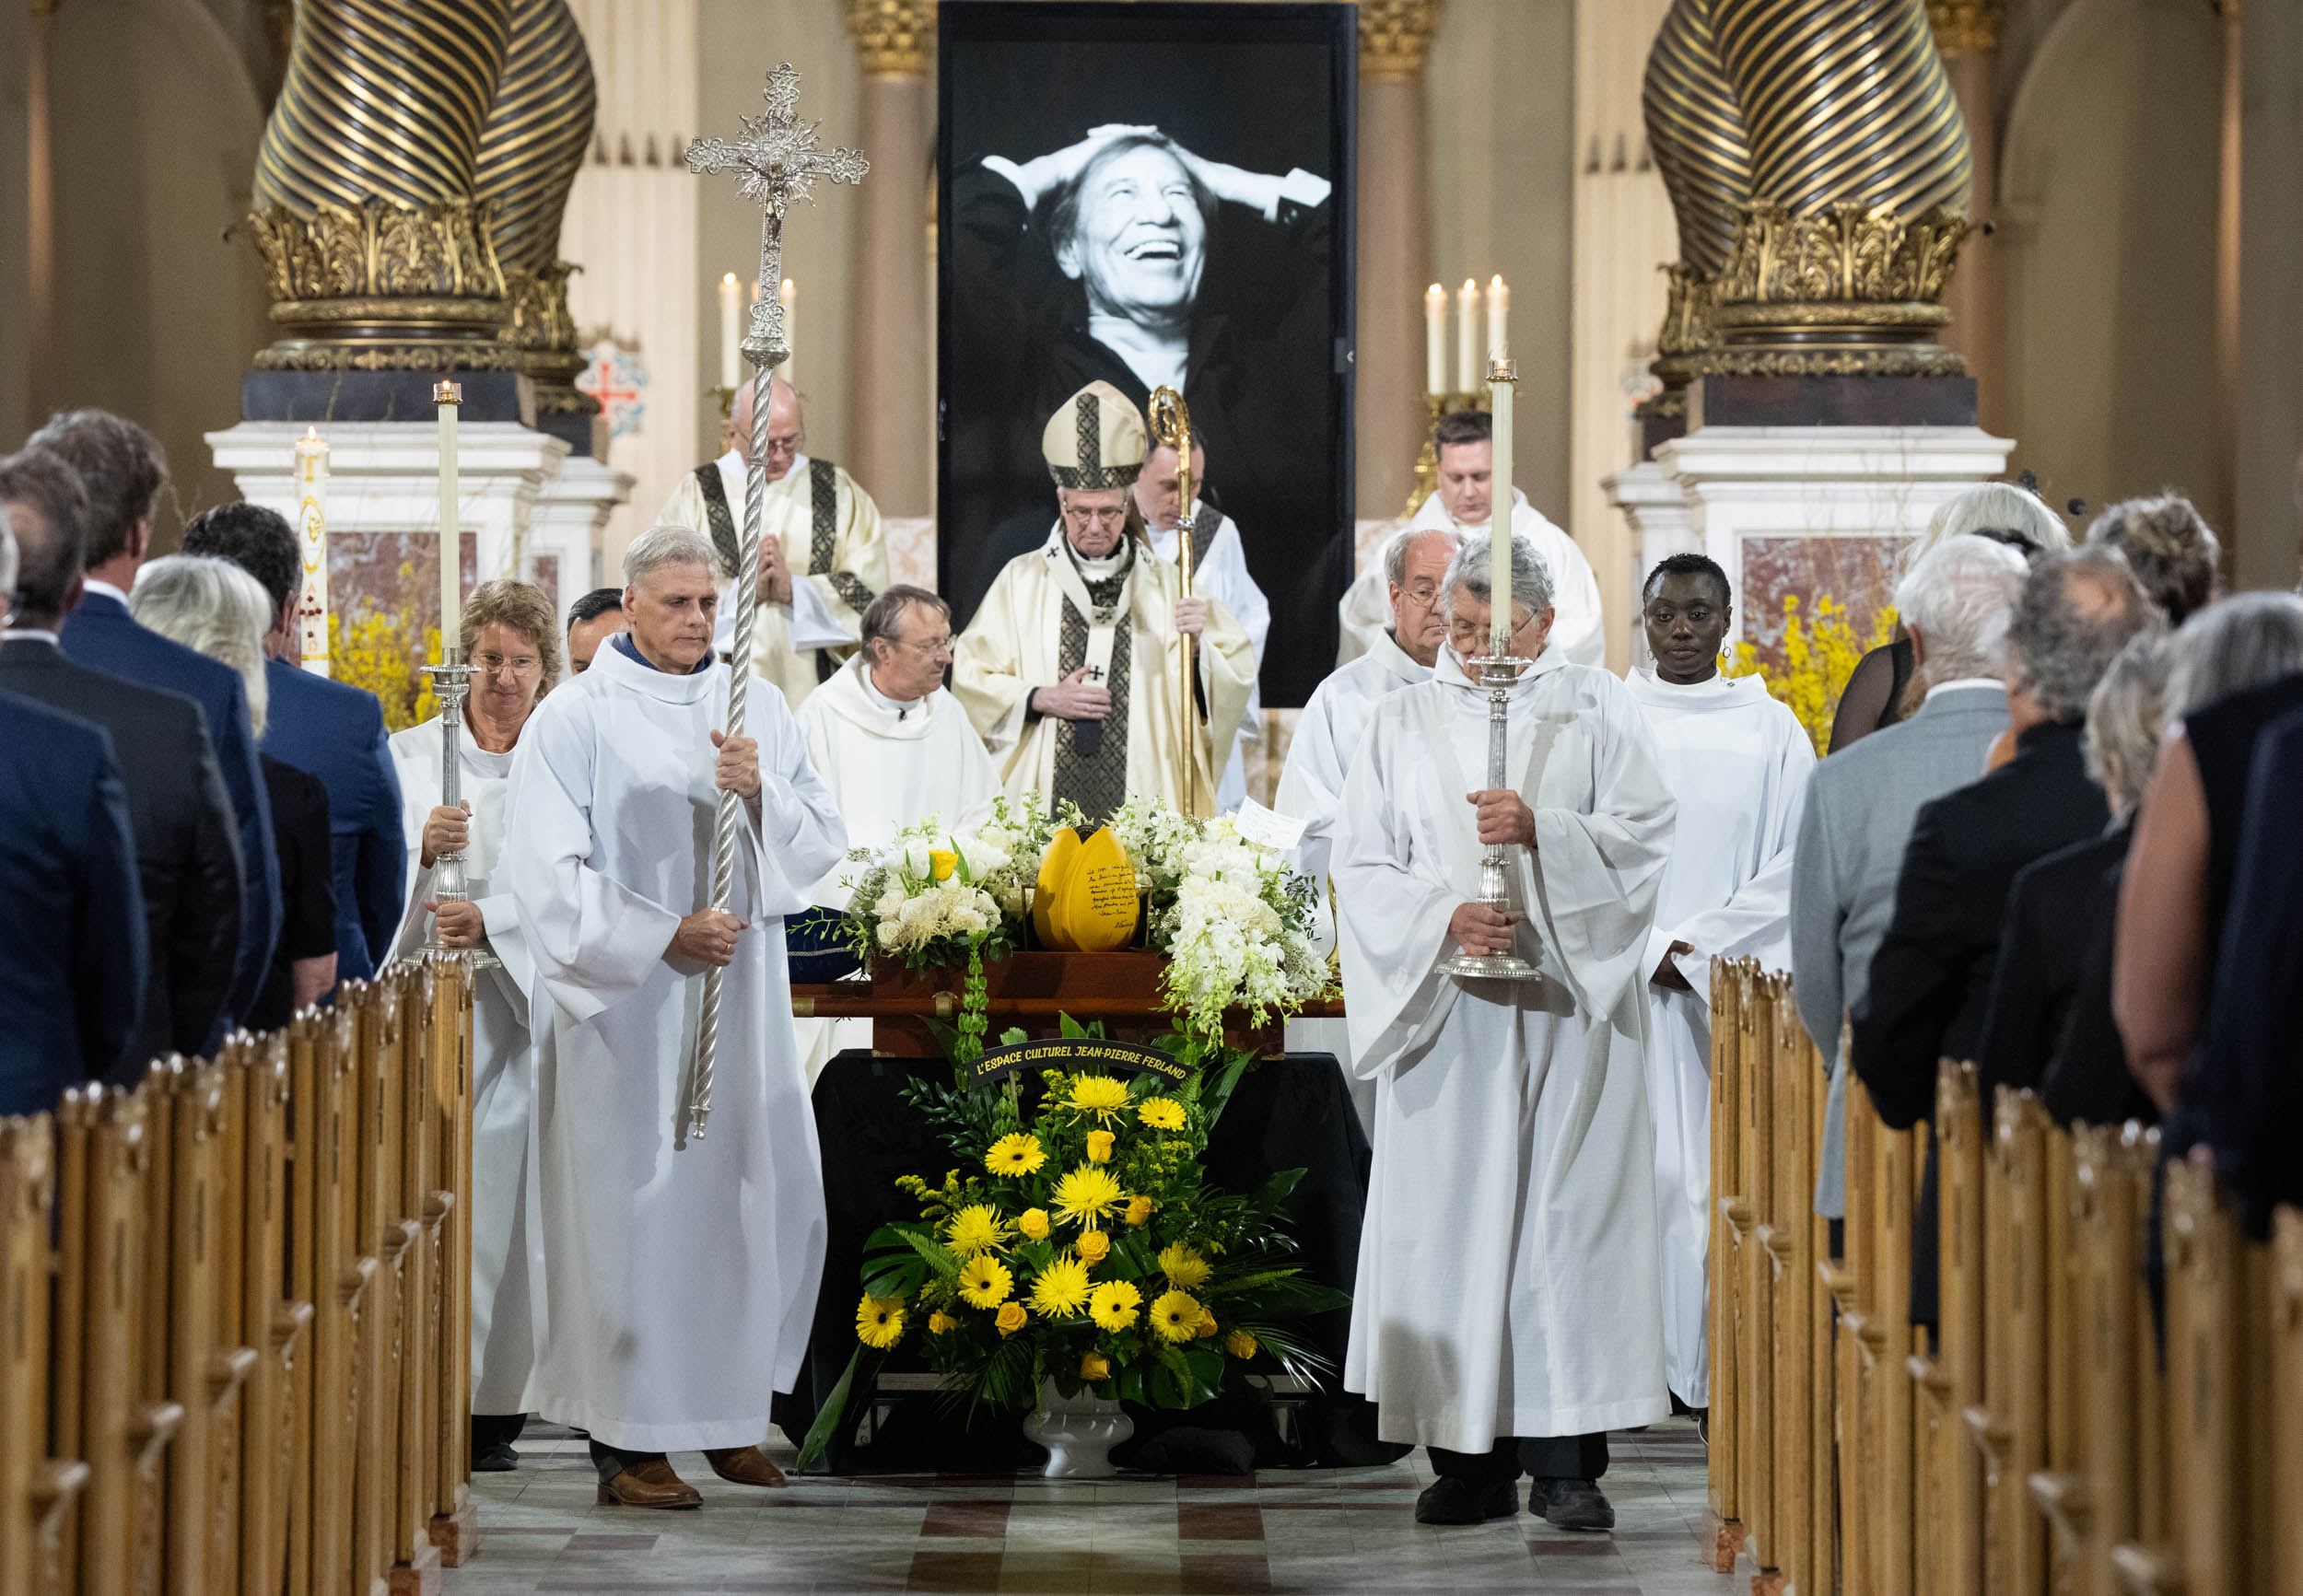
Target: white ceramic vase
x=1079, y=1433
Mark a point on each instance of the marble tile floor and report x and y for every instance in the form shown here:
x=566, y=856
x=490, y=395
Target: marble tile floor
x=1280, y=1531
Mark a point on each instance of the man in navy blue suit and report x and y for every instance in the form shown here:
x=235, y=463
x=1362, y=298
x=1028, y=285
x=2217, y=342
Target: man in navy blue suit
x=122, y=469
x=72, y=943
x=323, y=728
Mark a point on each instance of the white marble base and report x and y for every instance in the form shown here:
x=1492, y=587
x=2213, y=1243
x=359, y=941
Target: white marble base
x=569, y=523
x=1656, y=508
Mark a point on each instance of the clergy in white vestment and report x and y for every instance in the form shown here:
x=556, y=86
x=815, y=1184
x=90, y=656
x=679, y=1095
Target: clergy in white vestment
x=511, y=638
x=1219, y=569
x=892, y=747
x=1507, y=1311
x=1464, y=443
x=674, y=1285
x=1738, y=762
x=823, y=554
x=1327, y=736
x=1072, y=668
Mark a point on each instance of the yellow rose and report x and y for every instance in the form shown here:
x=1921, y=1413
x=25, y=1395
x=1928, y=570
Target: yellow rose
x=1206, y=1324
x=1240, y=1345
x=942, y=862
x=1100, y=1147
x=939, y=1322
x=1095, y=1365
x=1094, y=1247
x=1139, y=1210
x=1033, y=1222
x=1011, y=1318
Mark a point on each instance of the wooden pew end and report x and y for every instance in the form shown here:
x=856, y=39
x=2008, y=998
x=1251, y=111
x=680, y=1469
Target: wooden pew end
x=2147, y=1570
x=419, y=1576
x=457, y=1533
x=1722, y=1543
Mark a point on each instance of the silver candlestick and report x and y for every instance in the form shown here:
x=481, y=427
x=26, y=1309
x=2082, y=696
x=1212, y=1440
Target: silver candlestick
x=451, y=684
x=1498, y=675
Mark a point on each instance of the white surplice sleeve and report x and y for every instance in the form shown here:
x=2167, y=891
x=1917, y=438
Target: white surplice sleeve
x=1393, y=904
x=593, y=940
x=800, y=836
x=1311, y=783
x=1756, y=918
x=987, y=671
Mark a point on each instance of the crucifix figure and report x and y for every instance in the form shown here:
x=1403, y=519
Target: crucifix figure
x=778, y=160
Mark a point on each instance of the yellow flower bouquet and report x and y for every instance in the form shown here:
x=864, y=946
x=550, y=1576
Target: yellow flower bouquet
x=1078, y=1241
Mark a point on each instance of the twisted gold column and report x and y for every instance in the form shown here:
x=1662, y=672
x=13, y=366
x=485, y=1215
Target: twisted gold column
x=1695, y=135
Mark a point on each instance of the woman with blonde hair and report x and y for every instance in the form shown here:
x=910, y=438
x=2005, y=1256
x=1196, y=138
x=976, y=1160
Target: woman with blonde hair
x=511, y=637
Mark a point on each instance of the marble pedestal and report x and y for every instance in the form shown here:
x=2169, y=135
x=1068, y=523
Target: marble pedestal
x=1807, y=513
x=565, y=546
x=1657, y=509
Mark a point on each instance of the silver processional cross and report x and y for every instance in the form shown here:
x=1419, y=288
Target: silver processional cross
x=778, y=160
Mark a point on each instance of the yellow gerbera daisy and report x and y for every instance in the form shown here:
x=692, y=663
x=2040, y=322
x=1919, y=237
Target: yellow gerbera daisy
x=1097, y=1094
x=985, y=1281
x=1015, y=1155
x=976, y=1229
x=1100, y=1147
x=1033, y=1222
x=1176, y=1315
x=939, y=1322
x=879, y=1322
x=1185, y=1270
x=1094, y=1366
x=1061, y=1290
x=1139, y=1210
x=1113, y=1304
x=1088, y=1193
x=1094, y=1247
x=1011, y=1318
x=1240, y=1345
x=1161, y=1114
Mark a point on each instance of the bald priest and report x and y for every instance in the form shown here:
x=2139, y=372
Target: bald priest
x=1072, y=668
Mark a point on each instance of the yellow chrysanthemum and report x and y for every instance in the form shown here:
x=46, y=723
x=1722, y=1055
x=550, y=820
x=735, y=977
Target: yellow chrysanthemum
x=939, y=1322
x=1088, y=1193
x=1097, y=1094
x=942, y=862
x=1185, y=1270
x=985, y=1281
x=975, y=1228
x=1015, y=1155
x=879, y=1322
x=1011, y=1319
x=1061, y=1290
x=1113, y=1304
x=1240, y=1345
x=1139, y=1210
x=1161, y=1114
x=1176, y=1315
x=1094, y=1366
x=1100, y=1147
x=1033, y=1222
x=1094, y=1247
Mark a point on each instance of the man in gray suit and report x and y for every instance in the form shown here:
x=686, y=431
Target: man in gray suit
x=1862, y=800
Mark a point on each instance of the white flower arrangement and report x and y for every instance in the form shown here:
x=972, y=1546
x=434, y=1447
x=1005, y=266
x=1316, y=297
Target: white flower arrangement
x=933, y=896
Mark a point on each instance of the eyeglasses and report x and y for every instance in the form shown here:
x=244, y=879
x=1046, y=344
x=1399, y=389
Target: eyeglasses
x=929, y=648
x=490, y=663
x=1096, y=515
x=789, y=443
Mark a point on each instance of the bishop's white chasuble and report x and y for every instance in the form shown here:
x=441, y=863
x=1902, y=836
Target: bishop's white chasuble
x=674, y=1287
x=1508, y=1280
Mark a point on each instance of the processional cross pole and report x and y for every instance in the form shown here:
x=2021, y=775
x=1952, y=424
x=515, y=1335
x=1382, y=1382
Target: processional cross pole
x=778, y=160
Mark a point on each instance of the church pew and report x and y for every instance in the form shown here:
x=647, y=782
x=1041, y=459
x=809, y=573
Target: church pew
x=454, y=1526
x=392, y=1234
x=1723, y=1531
x=335, y=1273
x=2208, y=1424
x=2285, y=1326
x=1852, y=1290
x=1756, y=1350
x=2010, y=1427
x=273, y=1320
x=1789, y=1239
x=1950, y=1377
x=24, y=1205
x=1885, y=1347
x=1822, y=1354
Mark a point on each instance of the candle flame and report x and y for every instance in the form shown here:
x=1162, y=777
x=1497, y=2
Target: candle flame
x=312, y=435
x=728, y=279
x=1470, y=287
x=1496, y=281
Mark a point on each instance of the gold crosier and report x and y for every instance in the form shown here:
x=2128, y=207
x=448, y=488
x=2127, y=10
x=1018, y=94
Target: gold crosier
x=1171, y=428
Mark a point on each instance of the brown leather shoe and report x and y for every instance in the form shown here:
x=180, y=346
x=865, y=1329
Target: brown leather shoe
x=745, y=1466
x=648, y=1485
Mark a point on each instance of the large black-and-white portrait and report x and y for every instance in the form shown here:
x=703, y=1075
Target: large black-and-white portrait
x=1155, y=196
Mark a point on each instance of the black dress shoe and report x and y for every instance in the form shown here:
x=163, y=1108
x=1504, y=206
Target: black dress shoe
x=1449, y=1500
x=499, y=1459
x=1572, y=1504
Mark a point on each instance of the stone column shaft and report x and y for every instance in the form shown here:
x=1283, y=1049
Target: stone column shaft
x=1395, y=260
x=891, y=385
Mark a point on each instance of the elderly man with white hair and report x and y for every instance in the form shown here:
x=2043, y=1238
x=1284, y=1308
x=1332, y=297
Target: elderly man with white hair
x=1508, y=1307
x=676, y=1283
x=1861, y=802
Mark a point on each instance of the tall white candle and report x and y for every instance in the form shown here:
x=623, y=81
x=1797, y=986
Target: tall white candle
x=731, y=333
x=1499, y=313
x=1467, y=369
x=448, y=396
x=789, y=296
x=1435, y=339
x=1500, y=514
x=312, y=536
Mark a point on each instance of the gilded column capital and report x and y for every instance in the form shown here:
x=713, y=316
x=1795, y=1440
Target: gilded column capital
x=893, y=37
x=1396, y=36
x=1966, y=27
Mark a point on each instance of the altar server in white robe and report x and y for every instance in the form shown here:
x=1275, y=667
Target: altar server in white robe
x=1327, y=736
x=1465, y=442
x=675, y=1286
x=1507, y=1311
x=1219, y=569
x=892, y=748
x=1072, y=667
x=822, y=551
x=511, y=638
x=1738, y=762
